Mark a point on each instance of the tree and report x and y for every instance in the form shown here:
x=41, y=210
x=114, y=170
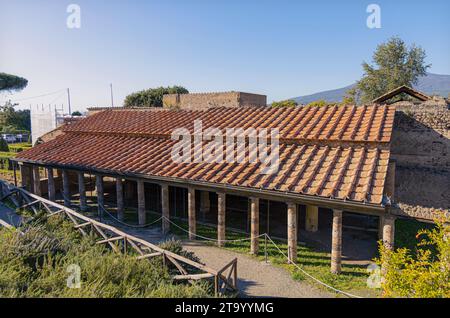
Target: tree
x=349, y=98
x=285, y=103
x=152, y=97
x=3, y=145
x=13, y=120
x=319, y=102
x=395, y=65
x=76, y=113
x=423, y=274
x=10, y=82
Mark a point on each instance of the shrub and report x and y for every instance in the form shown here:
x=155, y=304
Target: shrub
x=422, y=274
x=3, y=145
x=285, y=103
x=36, y=264
x=320, y=102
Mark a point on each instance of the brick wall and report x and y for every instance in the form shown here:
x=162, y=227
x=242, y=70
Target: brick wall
x=208, y=100
x=421, y=149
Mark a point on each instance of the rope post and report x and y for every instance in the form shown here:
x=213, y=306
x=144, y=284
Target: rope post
x=265, y=247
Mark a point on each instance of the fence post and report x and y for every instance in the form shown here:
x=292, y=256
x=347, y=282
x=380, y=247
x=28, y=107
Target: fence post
x=265, y=246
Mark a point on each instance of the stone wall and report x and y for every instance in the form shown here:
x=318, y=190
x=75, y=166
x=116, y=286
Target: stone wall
x=207, y=100
x=420, y=148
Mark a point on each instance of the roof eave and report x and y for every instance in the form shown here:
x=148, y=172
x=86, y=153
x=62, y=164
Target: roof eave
x=332, y=203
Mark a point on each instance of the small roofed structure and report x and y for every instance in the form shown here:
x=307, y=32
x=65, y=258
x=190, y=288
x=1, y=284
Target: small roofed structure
x=399, y=90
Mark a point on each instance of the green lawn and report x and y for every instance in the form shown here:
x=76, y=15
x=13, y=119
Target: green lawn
x=352, y=279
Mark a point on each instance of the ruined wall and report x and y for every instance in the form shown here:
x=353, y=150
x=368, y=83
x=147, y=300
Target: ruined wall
x=421, y=137
x=421, y=149
x=207, y=100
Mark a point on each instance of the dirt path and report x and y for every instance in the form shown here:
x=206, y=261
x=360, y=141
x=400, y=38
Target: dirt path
x=255, y=278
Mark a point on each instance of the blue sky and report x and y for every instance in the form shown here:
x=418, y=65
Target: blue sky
x=278, y=48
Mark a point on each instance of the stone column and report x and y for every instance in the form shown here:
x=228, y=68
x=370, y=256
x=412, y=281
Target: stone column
x=51, y=184
x=388, y=231
x=141, y=202
x=36, y=181
x=336, y=242
x=221, y=204
x=100, y=195
x=292, y=232
x=119, y=197
x=82, y=191
x=165, y=208
x=205, y=204
x=312, y=218
x=66, y=188
x=191, y=213
x=254, y=229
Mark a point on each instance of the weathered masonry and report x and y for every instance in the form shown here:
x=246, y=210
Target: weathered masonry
x=331, y=157
x=199, y=101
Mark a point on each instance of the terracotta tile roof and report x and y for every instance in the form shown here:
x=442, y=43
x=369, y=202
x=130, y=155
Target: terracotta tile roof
x=339, y=123
x=332, y=152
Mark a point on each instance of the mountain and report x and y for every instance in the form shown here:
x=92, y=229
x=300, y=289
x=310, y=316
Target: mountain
x=429, y=84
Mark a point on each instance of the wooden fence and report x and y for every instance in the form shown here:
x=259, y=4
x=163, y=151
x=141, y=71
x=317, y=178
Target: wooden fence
x=224, y=279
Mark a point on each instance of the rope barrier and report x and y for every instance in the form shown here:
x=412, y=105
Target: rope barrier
x=127, y=224
x=208, y=238
x=310, y=276
x=237, y=240
x=279, y=250
x=273, y=243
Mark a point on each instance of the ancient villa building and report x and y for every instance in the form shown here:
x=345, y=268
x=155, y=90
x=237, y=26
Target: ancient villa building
x=334, y=161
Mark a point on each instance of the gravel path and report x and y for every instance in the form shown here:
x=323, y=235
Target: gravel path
x=255, y=278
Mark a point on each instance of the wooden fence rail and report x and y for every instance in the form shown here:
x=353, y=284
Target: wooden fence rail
x=225, y=279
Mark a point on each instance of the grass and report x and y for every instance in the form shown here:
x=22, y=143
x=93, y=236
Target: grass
x=17, y=147
x=311, y=259
x=317, y=263
x=6, y=174
x=38, y=264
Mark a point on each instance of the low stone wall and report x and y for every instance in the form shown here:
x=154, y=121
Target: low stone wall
x=207, y=100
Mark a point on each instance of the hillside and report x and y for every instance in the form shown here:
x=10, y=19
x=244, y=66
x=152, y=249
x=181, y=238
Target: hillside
x=430, y=84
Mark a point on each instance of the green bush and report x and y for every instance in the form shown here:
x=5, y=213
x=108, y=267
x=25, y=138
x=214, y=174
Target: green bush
x=3, y=145
x=152, y=97
x=285, y=103
x=36, y=264
x=420, y=273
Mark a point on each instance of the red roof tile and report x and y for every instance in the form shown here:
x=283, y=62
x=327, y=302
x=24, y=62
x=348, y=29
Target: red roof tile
x=339, y=152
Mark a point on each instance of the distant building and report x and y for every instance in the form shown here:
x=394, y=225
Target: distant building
x=45, y=120
x=198, y=101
